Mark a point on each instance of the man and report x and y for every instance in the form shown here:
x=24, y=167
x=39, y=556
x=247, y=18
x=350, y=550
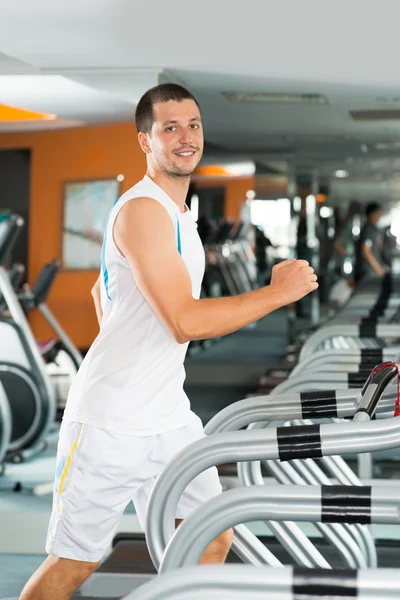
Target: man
x=369, y=251
x=345, y=240
x=127, y=414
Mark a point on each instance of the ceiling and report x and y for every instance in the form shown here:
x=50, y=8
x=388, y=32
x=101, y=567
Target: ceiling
x=89, y=62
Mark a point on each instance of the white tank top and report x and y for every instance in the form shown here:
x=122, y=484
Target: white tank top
x=131, y=380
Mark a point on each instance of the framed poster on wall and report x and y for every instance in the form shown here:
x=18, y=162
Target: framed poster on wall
x=86, y=208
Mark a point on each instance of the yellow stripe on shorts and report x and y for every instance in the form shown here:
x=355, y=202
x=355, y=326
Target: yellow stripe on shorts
x=57, y=509
x=69, y=461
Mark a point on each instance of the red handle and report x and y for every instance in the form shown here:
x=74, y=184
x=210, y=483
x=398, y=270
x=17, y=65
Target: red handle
x=385, y=366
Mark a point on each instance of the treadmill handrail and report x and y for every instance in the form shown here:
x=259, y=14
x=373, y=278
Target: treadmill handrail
x=374, y=387
x=247, y=412
x=348, y=541
x=14, y=224
x=286, y=407
x=247, y=581
x=285, y=443
x=313, y=474
x=350, y=355
x=390, y=330
x=312, y=381
x=376, y=505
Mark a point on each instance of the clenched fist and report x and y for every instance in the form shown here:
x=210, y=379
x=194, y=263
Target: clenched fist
x=293, y=279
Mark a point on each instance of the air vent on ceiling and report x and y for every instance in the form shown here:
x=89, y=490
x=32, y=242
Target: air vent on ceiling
x=275, y=98
x=387, y=146
x=378, y=114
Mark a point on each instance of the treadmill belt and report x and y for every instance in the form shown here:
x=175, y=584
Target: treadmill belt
x=129, y=556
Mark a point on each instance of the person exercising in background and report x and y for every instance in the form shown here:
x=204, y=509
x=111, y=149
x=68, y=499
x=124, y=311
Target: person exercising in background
x=345, y=242
x=127, y=413
x=369, y=249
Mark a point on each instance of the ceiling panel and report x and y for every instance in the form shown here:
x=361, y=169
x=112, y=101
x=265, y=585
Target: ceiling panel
x=89, y=61
x=310, y=39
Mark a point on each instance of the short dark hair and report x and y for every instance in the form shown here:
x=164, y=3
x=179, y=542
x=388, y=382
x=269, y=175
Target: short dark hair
x=372, y=207
x=164, y=92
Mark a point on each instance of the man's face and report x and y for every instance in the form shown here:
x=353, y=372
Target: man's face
x=375, y=217
x=176, y=139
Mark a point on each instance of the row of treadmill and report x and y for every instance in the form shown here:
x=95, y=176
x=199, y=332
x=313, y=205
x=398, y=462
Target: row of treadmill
x=231, y=265
x=306, y=523
x=292, y=448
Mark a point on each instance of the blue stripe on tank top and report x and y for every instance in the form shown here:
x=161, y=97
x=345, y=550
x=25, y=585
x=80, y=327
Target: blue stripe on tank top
x=103, y=253
x=104, y=266
x=179, y=236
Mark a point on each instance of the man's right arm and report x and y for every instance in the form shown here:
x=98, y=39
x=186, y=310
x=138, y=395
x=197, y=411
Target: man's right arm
x=145, y=235
x=368, y=256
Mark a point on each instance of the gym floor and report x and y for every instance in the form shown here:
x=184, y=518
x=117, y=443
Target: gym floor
x=223, y=373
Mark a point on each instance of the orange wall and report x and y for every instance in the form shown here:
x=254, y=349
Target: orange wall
x=235, y=191
x=84, y=153
x=76, y=154
x=236, y=194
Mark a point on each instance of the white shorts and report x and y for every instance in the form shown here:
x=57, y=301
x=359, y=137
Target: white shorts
x=98, y=473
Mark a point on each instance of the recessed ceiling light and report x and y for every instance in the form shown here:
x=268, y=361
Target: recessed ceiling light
x=275, y=98
x=341, y=174
x=387, y=145
x=326, y=212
